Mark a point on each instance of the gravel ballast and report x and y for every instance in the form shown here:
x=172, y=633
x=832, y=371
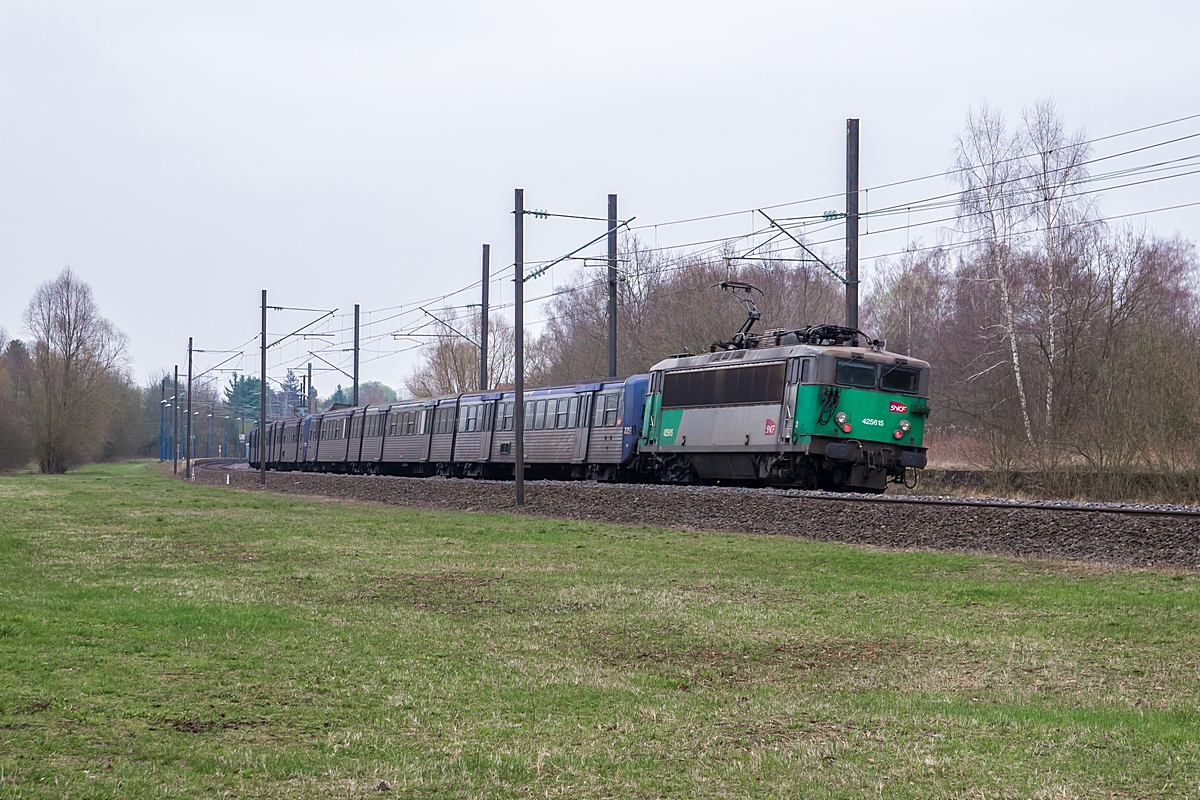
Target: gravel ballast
x=1139, y=540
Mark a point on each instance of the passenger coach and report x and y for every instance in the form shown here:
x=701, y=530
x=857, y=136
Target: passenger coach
x=587, y=430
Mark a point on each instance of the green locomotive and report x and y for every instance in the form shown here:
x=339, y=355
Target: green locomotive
x=819, y=407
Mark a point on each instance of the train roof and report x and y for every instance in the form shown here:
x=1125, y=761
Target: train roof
x=876, y=355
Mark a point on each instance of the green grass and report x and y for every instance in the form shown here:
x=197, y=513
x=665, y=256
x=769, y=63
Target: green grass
x=159, y=639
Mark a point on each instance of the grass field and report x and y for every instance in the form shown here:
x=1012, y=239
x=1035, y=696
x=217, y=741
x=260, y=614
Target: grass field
x=159, y=639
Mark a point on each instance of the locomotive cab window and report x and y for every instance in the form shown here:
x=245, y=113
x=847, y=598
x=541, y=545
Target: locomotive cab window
x=858, y=374
x=901, y=379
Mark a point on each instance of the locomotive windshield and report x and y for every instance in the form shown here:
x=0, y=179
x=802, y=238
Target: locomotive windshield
x=855, y=373
x=901, y=379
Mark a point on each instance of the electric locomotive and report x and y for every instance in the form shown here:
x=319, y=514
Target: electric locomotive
x=818, y=407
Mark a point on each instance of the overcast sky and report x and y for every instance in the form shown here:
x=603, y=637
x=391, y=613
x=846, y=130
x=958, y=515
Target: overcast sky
x=183, y=156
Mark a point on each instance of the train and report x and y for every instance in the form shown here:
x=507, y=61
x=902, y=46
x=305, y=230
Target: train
x=821, y=407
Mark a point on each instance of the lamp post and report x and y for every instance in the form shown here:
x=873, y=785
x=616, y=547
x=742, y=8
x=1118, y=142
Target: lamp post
x=225, y=437
x=162, y=430
x=207, y=434
x=161, y=409
x=195, y=432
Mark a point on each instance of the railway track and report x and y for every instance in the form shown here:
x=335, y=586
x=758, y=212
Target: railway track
x=1134, y=509
x=1137, y=535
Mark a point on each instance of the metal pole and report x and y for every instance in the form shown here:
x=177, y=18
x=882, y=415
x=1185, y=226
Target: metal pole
x=207, y=435
x=308, y=391
x=612, y=286
x=519, y=342
x=483, y=320
x=852, y=223
x=355, y=355
x=162, y=409
x=175, y=425
x=187, y=473
x=262, y=400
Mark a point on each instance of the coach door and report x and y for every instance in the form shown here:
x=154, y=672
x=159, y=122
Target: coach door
x=486, y=424
x=577, y=418
x=426, y=429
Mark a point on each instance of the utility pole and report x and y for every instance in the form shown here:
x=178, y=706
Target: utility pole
x=175, y=425
x=187, y=474
x=483, y=320
x=262, y=401
x=852, y=223
x=612, y=286
x=519, y=341
x=355, y=355
x=308, y=391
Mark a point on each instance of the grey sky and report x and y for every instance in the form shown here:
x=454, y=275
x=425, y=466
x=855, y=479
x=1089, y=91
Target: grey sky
x=183, y=156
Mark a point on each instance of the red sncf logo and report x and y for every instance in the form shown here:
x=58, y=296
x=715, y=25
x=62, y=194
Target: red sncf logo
x=899, y=408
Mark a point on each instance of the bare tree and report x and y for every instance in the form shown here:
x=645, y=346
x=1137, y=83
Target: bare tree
x=992, y=208
x=1058, y=168
x=451, y=358
x=78, y=359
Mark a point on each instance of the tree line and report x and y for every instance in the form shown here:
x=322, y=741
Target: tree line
x=67, y=396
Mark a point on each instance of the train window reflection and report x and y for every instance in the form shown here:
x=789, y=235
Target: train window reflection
x=855, y=373
x=901, y=379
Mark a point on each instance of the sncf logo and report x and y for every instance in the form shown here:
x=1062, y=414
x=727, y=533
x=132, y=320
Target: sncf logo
x=898, y=408
x=769, y=428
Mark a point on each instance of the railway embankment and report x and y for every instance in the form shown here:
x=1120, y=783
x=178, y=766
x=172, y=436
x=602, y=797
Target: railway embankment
x=1061, y=533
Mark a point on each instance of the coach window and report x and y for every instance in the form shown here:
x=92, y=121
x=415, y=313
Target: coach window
x=858, y=374
x=806, y=369
x=560, y=420
x=539, y=416
x=610, y=410
x=573, y=412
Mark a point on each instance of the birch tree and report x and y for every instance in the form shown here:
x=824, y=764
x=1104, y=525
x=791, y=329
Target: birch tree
x=1056, y=168
x=991, y=210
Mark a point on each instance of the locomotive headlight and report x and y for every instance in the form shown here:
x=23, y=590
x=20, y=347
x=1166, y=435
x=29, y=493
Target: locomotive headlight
x=898, y=435
x=840, y=418
x=905, y=426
